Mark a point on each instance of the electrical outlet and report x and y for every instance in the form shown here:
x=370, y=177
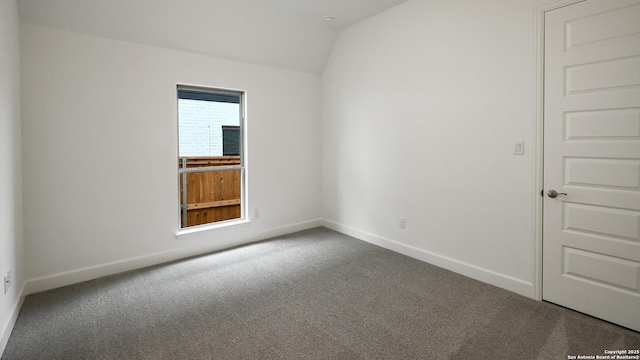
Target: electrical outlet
x=518, y=147
x=7, y=282
x=256, y=213
x=401, y=223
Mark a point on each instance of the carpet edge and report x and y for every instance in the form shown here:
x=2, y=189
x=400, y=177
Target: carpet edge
x=75, y=276
x=7, y=329
x=491, y=277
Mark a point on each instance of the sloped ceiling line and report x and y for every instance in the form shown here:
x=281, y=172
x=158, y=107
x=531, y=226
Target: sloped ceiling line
x=288, y=34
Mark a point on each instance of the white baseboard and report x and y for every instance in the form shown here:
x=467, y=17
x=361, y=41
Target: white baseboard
x=89, y=273
x=475, y=272
x=8, y=327
x=284, y=230
x=57, y=280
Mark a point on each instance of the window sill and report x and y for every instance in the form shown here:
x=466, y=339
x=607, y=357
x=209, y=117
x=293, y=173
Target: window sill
x=201, y=229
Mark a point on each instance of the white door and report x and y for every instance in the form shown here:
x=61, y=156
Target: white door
x=591, y=235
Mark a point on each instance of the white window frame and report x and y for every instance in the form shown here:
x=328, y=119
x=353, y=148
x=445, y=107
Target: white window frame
x=183, y=232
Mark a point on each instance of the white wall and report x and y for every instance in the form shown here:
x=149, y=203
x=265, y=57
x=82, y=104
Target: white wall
x=100, y=153
x=421, y=105
x=11, y=169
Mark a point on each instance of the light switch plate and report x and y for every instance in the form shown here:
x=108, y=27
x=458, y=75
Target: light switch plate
x=518, y=147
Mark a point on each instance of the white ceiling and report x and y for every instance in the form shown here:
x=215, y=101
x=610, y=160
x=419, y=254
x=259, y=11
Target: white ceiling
x=345, y=12
x=289, y=34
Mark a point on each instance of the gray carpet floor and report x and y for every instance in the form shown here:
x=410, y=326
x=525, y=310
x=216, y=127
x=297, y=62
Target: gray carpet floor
x=315, y=294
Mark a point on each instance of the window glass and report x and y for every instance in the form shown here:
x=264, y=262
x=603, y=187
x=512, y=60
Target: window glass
x=210, y=164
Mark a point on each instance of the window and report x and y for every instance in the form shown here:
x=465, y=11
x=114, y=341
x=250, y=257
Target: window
x=230, y=140
x=210, y=155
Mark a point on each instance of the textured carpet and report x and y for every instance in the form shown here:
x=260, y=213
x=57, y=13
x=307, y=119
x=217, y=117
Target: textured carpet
x=316, y=294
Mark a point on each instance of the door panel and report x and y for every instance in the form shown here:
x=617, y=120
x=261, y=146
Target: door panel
x=604, y=75
x=603, y=125
x=591, y=236
x=600, y=268
x=606, y=26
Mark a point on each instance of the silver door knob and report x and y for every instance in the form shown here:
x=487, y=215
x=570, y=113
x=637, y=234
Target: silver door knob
x=554, y=194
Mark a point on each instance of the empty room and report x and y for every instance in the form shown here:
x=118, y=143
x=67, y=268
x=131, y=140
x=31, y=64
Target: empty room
x=320, y=179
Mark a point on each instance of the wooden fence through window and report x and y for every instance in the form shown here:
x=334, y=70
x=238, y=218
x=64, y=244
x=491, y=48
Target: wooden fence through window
x=211, y=195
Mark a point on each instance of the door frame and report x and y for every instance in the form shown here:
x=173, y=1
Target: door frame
x=539, y=138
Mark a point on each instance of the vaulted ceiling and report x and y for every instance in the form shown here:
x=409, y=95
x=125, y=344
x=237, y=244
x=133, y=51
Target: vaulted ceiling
x=289, y=34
